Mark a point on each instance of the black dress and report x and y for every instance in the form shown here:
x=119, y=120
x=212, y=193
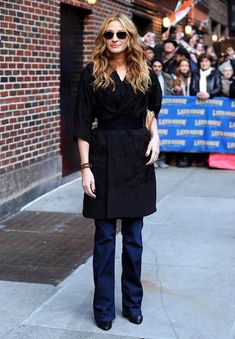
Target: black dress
x=125, y=186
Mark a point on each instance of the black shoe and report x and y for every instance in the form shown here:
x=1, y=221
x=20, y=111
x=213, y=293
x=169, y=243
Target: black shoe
x=104, y=325
x=135, y=319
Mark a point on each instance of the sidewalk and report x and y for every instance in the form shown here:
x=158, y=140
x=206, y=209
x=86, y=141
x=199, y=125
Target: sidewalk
x=188, y=269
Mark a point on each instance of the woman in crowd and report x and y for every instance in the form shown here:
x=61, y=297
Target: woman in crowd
x=226, y=70
x=181, y=86
x=117, y=160
x=182, y=80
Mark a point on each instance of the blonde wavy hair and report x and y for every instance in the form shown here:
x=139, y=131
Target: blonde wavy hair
x=137, y=69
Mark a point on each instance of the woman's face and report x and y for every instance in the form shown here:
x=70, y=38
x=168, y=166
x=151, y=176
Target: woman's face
x=205, y=64
x=184, y=67
x=149, y=39
x=227, y=72
x=200, y=48
x=116, y=45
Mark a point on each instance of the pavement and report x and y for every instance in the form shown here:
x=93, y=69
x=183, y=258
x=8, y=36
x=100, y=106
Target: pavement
x=188, y=268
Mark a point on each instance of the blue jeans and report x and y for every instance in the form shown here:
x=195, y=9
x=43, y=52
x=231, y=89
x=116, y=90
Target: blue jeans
x=103, y=267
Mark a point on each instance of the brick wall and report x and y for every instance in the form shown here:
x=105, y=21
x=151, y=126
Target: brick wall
x=30, y=121
x=29, y=86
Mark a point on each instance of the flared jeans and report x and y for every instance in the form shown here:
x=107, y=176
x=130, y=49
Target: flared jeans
x=104, y=267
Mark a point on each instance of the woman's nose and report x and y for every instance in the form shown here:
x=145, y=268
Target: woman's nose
x=115, y=38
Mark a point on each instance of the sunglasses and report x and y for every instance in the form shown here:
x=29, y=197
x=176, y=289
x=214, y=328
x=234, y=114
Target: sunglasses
x=120, y=35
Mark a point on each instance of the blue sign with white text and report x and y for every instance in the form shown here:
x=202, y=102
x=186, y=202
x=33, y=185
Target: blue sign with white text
x=187, y=124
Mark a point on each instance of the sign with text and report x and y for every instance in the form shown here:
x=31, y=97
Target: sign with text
x=187, y=124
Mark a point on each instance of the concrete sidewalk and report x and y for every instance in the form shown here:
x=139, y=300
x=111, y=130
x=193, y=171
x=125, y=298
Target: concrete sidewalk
x=188, y=269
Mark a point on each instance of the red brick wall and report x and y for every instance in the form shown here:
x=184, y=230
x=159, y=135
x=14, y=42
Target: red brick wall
x=30, y=120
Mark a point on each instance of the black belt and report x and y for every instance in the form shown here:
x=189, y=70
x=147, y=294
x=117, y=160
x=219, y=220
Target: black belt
x=120, y=124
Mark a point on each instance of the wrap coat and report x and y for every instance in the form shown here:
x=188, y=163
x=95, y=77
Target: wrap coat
x=125, y=186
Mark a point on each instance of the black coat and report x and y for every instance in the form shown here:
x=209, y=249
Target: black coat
x=232, y=90
x=125, y=186
x=213, y=83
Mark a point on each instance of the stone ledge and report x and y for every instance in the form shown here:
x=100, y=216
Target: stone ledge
x=19, y=187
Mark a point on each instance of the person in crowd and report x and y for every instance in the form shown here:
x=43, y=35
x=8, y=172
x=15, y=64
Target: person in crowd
x=207, y=82
x=182, y=79
x=165, y=81
x=232, y=89
x=192, y=40
x=169, y=61
x=230, y=55
x=210, y=51
x=150, y=39
x=117, y=160
x=182, y=53
x=150, y=54
x=200, y=48
x=181, y=86
x=226, y=71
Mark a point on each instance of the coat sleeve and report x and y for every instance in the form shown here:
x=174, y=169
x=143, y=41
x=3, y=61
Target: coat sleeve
x=216, y=91
x=84, y=110
x=232, y=90
x=194, y=85
x=154, y=95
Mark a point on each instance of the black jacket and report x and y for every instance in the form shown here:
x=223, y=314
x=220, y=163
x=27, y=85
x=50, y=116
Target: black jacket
x=213, y=83
x=232, y=90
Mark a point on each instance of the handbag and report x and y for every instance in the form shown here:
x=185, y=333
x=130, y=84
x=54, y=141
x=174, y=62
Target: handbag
x=149, y=118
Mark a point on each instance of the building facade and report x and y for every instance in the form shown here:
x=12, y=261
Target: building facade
x=44, y=45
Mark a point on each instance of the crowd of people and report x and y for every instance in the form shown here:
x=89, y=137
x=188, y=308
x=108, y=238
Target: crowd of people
x=187, y=66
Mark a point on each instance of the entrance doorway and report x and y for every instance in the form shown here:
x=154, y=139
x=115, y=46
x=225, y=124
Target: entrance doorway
x=71, y=61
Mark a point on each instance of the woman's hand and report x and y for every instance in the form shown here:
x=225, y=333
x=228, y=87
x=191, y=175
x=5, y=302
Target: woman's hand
x=153, y=149
x=88, y=182
x=177, y=89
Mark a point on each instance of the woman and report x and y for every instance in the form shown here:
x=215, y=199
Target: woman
x=226, y=70
x=117, y=160
x=181, y=86
x=182, y=80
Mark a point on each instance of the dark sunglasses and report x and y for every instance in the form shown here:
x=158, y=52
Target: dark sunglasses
x=120, y=35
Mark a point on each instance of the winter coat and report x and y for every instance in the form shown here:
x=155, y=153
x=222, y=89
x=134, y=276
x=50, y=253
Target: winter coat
x=213, y=83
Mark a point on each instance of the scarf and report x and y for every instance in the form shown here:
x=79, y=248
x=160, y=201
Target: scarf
x=203, y=82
